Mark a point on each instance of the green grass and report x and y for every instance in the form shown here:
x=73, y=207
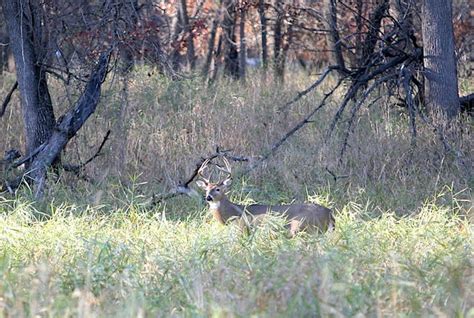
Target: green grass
x=69, y=260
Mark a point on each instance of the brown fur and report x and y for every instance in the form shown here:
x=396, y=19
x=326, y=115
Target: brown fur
x=300, y=216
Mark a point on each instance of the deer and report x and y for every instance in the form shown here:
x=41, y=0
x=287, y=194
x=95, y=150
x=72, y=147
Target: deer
x=299, y=216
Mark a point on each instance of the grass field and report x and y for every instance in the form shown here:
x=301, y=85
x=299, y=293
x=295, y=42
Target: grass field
x=86, y=261
x=403, y=243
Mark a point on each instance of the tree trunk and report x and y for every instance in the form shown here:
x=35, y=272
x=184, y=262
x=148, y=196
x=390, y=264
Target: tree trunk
x=177, y=28
x=210, y=46
x=217, y=58
x=242, y=50
x=263, y=28
x=278, y=65
x=23, y=26
x=334, y=39
x=190, y=55
x=231, y=55
x=441, y=83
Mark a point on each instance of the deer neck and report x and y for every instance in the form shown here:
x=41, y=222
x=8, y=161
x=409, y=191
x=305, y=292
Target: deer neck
x=224, y=210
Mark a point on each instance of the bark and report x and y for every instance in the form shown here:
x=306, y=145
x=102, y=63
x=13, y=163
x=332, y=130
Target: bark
x=210, y=46
x=334, y=39
x=23, y=23
x=278, y=65
x=190, y=55
x=441, y=84
x=231, y=55
x=242, y=50
x=263, y=31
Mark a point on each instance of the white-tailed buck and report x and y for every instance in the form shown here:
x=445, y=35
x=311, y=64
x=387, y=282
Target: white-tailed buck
x=299, y=216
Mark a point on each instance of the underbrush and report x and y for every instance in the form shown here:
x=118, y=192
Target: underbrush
x=161, y=129
x=78, y=260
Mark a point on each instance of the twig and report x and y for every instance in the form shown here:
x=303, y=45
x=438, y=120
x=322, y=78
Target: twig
x=335, y=176
x=77, y=168
x=301, y=94
x=7, y=99
x=406, y=78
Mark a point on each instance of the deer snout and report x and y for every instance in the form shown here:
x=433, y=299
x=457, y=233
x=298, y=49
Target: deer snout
x=208, y=198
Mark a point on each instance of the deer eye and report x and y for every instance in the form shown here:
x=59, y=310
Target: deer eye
x=218, y=190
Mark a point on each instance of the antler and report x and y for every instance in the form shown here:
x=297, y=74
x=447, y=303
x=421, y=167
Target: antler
x=201, y=170
x=227, y=169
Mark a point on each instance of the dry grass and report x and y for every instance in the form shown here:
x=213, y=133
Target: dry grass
x=166, y=126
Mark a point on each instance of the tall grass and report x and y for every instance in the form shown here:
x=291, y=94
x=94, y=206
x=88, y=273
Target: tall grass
x=82, y=262
x=402, y=246
x=166, y=126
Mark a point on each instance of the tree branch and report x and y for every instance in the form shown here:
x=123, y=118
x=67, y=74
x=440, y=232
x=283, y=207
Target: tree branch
x=313, y=86
x=77, y=168
x=7, y=99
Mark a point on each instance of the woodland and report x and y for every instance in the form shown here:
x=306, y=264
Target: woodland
x=112, y=109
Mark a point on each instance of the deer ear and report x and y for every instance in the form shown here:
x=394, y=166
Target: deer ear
x=227, y=182
x=201, y=184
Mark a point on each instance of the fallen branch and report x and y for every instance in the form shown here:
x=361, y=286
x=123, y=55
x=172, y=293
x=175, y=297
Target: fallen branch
x=7, y=99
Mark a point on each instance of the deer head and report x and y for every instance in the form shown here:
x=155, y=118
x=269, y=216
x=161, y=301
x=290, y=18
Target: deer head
x=215, y=192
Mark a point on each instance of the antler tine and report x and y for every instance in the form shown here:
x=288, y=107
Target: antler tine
x=201, y=170
x=227, y=169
